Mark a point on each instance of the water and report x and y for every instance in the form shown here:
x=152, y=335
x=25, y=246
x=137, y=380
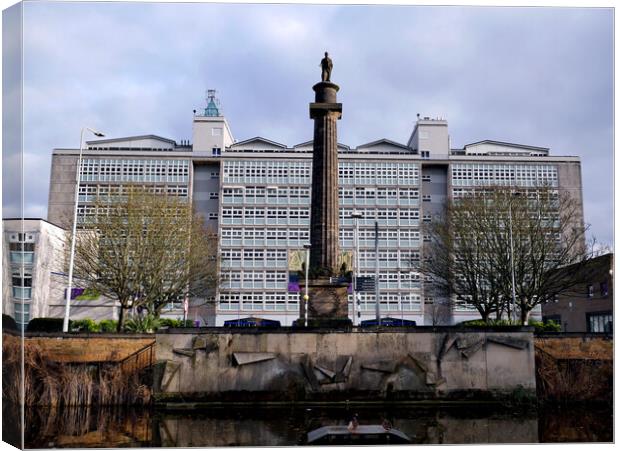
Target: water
x=123, y=427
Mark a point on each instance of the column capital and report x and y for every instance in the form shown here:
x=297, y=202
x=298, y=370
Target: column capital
x=322, y=109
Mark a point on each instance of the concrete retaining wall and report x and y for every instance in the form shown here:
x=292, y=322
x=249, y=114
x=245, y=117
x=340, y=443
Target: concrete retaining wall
x=284, y=365
x=88, y=348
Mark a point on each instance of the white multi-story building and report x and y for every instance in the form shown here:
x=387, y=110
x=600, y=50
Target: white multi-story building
x=33, y=256
x=256, y=194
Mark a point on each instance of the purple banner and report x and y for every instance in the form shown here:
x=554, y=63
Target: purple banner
x=293, y=287
x=75, y=292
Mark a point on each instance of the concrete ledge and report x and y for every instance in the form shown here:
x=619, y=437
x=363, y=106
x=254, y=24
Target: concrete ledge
x=197, y=400
x=110, y=335
x=354, y=330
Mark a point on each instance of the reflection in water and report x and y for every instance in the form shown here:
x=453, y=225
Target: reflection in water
x=87, y=427
x=116, y=427
x=575, y=424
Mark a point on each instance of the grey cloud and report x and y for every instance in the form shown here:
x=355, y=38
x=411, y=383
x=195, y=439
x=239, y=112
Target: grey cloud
x=540, y=76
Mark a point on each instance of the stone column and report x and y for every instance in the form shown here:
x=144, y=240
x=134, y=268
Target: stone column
x=324, y=221
x=327, y=304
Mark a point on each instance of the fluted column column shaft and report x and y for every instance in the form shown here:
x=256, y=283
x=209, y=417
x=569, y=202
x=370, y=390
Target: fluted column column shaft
x=324, y=220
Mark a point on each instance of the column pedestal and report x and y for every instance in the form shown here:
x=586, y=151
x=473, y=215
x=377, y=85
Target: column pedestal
x=328, y=304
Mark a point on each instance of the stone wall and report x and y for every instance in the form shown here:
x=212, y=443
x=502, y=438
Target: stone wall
x=84, y=349
x=282, y=365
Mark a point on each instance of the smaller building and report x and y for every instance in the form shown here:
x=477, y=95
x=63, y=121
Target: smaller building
x=33, y=257
x=588, y=306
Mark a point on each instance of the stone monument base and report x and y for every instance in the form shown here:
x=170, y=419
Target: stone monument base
x=328, y=304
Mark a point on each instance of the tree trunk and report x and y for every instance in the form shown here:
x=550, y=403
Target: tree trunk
x=525, y=315
x=121, y=317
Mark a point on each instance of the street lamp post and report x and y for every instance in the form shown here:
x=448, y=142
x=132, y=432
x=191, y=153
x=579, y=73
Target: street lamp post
x=356, y=215
x=377, y=306
x=512, y=258
x=65, y=324
x=306, y=296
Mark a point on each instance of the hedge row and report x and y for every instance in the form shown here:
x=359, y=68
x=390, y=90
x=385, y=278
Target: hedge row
x=89, y=325
x=539, y=326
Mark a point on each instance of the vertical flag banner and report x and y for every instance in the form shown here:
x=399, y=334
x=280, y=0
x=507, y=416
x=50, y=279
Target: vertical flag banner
x=295, y=260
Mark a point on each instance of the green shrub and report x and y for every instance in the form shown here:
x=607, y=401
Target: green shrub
x=45, y=325
x=552, y=326
x=142, y=324
x=169, y=322
x=108, y=325
x=489, y=323
x=84, y=325
x=549, y=326
x=8, y=323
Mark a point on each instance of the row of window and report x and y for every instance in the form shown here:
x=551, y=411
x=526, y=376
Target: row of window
x=265, y=215
x=277, y=301
x=379, y=173
x=278, y=258
x=271, y=301
x=282, y=172
x=252, y=234
x=532, y=194
x=299, y=172
x=301, y=195
x=490, y=174
x=372, y=195
x=269, y=195
x=90, y=193
x=295, y=213
x=124, y=170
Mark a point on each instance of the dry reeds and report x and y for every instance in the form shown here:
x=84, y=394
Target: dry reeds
x=54, y=384
x=570, y=380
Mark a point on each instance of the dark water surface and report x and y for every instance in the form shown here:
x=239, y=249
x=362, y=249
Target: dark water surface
x=122, y=427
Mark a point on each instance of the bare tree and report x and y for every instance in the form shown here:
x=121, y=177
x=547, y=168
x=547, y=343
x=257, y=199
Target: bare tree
x=481, y=238
x=146, y=250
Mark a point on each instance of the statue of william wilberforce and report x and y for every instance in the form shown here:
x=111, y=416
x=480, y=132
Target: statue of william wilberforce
x=326, y=68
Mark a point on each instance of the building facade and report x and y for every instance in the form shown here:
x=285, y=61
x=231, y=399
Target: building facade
x=588, y=306
x=256, y=194
x=33, y=278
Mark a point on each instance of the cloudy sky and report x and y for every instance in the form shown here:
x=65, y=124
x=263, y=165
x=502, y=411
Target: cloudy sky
x=538, y=76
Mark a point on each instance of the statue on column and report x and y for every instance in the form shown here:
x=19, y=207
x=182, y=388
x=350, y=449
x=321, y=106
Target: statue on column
x=326, y=68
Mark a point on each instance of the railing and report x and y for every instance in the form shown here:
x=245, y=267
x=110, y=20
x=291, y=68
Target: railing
x=139, y=360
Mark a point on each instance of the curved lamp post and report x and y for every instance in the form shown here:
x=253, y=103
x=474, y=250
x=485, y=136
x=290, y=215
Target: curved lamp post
x=65, y=324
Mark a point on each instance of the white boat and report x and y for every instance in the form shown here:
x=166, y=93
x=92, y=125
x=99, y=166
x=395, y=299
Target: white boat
x=370, y=434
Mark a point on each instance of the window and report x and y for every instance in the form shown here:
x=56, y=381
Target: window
x=21, y=282
x=213, y=195
x=425, y=153
x=426, y=198
x=604, y=289
x=590, y=292
x=22, y=313
x=426, y=178
x=599, y=322
x=215, y=175
x=213, y=216
x=216, y=151
x=25, y=247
